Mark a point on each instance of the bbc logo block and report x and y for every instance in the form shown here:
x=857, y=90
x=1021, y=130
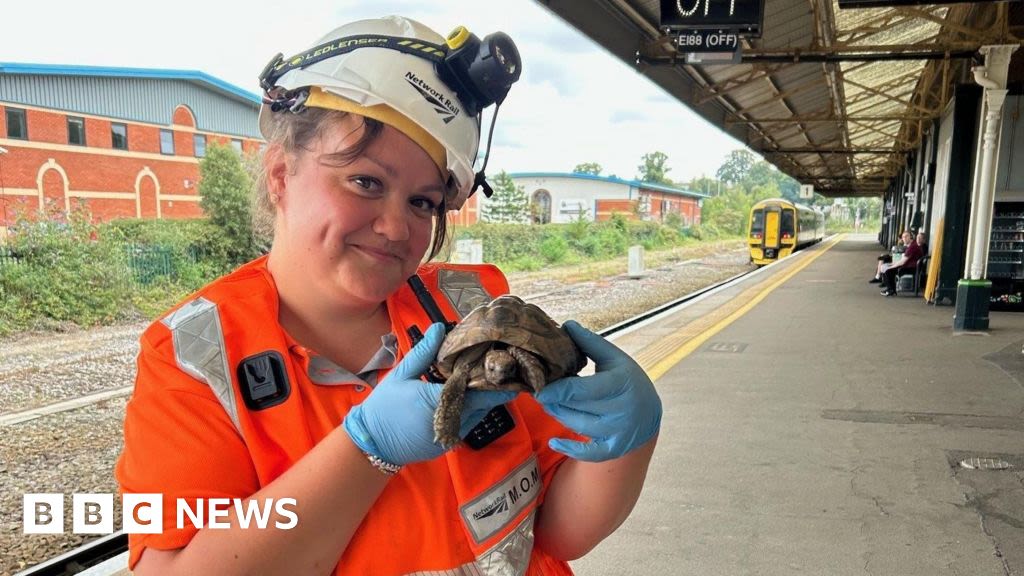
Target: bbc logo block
x=92, y=513
x=43, y=513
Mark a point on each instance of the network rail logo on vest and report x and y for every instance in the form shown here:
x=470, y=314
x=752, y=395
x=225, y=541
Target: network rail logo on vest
x=488, y=513
x=143, y=513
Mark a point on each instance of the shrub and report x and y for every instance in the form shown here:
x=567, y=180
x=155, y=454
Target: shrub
x=590, y=246
x=554, y=249
x=613, y=241
x=62, y=273
x=673, y=220
x=521, y=246
x=669, y=236
x=620, y=222
x=183, y=241
x=525, y=264
x=503, y=242
x=578, y=229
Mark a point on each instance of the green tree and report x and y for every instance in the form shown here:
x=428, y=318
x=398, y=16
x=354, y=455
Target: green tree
x=224, y=190
x=762, y=173
x=706, y=185
x=729, y=211
x=509, y=202
x=653, y=168
x=736, y=166
x=588, y=168
x=866, y=208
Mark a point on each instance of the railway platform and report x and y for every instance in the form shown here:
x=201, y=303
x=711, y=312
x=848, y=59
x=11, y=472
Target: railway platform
x=813, y=426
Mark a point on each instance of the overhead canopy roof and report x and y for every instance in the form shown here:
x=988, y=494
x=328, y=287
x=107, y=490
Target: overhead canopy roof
x=833, y=97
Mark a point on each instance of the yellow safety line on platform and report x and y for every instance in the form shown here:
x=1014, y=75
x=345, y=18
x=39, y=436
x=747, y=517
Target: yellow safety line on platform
x=685, y=342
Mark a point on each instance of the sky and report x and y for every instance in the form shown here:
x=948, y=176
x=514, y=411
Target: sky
x=575, y=102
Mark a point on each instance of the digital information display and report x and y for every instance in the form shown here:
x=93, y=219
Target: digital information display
x=740, y=15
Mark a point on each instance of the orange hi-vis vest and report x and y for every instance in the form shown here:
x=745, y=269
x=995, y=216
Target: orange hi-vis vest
x=196, y=428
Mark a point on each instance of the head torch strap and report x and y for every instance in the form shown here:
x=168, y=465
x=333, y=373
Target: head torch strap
x=279, y=67
x=480, y=179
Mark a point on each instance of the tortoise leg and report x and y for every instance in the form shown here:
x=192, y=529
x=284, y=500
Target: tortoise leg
x=530, y=368
x=448, y=415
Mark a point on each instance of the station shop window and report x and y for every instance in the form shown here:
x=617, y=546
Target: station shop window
x=119, y=136
x=199, y=145
x=237, y=145
x=166, y=142
x=17, y=127
x=76, y=131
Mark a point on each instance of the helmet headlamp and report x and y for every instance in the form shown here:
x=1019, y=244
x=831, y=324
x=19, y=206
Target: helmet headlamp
x=480, y=72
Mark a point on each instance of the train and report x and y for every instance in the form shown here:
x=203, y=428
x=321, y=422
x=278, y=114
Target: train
x=779, y=227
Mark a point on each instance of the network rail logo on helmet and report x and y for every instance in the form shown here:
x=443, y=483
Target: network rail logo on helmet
x=375, y=62
x=442, y=105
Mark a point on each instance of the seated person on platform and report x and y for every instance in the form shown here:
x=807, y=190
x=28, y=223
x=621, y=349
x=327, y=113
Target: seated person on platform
x=885, y=260
x=907, y=262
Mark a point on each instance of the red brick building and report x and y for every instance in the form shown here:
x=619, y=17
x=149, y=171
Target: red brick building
x=125, y=142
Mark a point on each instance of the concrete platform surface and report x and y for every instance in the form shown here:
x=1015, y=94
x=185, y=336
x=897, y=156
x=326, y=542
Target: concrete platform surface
x=822, y=432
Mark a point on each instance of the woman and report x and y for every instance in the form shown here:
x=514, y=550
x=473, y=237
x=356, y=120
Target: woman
x=279, y=381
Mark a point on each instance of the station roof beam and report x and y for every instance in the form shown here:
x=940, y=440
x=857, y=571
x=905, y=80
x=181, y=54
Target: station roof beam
x=832, y=96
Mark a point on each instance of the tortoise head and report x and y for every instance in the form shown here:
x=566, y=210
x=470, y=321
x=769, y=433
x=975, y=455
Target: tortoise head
x=499, y=367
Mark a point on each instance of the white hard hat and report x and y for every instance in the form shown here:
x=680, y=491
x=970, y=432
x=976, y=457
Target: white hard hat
x=377, y=82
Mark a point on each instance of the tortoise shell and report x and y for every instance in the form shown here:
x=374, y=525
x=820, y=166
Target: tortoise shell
x=508, y=321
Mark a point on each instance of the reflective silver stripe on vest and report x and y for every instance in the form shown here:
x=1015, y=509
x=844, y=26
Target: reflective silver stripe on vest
x=463, y=289
x=510, y=557
x=492, y=511
x=199, y=350
x=470, y=569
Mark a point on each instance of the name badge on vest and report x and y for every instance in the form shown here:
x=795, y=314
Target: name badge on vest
x=263, y=380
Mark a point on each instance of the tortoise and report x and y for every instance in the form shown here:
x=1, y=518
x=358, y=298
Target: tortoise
x=506, y=344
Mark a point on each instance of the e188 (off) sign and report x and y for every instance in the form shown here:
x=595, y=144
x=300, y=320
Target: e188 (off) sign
x=742, y=15
x=707, y=41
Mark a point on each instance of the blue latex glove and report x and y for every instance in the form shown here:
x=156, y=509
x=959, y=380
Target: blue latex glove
x=617, y=407
x=395, y=422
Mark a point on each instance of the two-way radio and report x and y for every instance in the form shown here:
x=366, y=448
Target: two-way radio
x=499, y=420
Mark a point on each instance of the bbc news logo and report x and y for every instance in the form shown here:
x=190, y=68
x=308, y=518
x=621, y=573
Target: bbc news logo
x=143, y=513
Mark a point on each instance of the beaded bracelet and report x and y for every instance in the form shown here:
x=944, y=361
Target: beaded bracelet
x=386, y=468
